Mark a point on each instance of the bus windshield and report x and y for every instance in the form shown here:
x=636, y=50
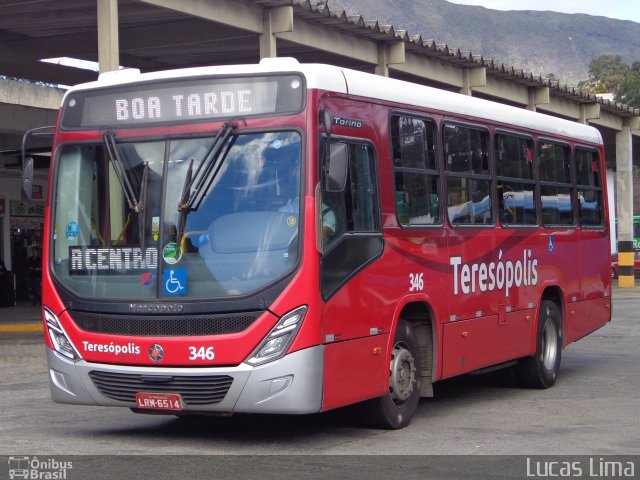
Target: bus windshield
x=205, y=220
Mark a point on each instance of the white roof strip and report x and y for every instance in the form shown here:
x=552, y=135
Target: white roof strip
x=341, y=80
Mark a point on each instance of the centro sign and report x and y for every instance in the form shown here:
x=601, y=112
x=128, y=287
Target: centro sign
x=121, y=259
x=497, y=275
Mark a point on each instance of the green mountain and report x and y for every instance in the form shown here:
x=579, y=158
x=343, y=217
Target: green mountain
x=542, y=43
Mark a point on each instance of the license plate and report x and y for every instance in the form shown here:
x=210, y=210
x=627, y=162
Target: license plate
x=159, y=401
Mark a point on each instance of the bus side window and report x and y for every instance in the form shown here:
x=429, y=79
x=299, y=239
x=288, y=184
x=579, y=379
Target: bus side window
x=555, y=187
x=467, y=175
x=416, y=173
x=589, y=188
x=516, y=183
x=354, y=209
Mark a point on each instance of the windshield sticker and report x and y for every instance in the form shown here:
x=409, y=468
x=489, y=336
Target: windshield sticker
x=155, y=228
x=171, y=253
x=112, y=260
x=174, y=281
x=291, y=221
x=147, y=279
x=72, y=230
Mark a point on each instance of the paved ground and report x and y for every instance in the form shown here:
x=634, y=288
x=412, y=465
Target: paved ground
x=490, y=427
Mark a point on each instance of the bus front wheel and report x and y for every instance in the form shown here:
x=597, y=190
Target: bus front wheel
x=395, y=409
x=541, y=370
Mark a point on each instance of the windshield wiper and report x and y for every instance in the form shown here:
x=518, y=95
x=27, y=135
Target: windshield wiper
x=135, y=204
x=196, y=185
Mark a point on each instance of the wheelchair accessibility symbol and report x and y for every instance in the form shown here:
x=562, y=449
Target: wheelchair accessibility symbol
x=174, y=281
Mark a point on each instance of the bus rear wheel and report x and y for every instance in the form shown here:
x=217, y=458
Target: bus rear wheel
x=541, y=370
x=395, y=409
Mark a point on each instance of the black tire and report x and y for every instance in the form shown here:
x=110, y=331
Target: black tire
x=541, y=370
x=395, y=409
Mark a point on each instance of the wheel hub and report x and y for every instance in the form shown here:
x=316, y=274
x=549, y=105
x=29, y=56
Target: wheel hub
x=402, y=374
x=549, y=346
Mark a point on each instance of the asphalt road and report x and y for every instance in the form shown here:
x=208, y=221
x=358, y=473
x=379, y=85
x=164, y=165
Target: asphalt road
x=593, y=410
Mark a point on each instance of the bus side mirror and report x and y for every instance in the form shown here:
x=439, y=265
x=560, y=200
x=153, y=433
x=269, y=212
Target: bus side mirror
x=335, y=179
x=27, y=178
x=27, y=162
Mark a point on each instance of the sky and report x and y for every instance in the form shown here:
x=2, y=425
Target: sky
x=620, y=9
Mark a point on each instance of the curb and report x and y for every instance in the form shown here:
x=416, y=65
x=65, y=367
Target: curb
x=21, y=327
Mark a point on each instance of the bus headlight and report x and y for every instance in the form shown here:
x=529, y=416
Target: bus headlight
x=58, y=337
x=275, y=344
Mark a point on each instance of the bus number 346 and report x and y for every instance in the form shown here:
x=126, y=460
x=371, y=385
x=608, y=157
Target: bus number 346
x=417, y=282
x=201, y=353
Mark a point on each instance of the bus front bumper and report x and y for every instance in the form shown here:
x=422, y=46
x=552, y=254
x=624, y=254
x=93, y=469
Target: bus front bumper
x=290, y=385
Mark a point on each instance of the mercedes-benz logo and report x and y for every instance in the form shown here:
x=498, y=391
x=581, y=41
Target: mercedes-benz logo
x=156, y=352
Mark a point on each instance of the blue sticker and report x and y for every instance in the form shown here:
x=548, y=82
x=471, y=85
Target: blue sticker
x=174, y=281
x=552, y=246
x=72, y=230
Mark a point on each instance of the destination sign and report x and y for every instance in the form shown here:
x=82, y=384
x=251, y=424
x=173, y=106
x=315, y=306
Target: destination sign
x=178, y=101
x=112, y=260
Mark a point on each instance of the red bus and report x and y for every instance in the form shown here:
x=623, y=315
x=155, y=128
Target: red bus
x=289, y=238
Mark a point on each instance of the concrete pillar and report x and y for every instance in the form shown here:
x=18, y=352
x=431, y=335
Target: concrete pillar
x=537, y=96
x=108, y=43
x=473, y=77
x=389, y=54
x=589, y=111
x=624, y=205
x=274, y=20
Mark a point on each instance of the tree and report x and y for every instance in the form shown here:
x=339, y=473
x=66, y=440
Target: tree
x=606, y=72
x=629, y=88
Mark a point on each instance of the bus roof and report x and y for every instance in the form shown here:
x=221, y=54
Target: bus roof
x=352, y=82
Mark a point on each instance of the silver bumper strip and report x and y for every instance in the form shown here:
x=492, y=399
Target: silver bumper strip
x=291, y=385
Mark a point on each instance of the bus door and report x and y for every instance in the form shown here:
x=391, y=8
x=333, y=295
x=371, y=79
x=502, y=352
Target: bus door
x=351, y=243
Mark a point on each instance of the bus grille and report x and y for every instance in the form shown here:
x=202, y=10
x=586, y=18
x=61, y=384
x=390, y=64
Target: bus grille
x=155, y=325
x=194, y=390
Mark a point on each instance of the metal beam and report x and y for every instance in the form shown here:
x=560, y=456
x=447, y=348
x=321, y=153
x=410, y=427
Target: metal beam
x=624, y=203
x=563, y=108
x=389, y=54
x=332, y=41
x=431, y=70
x=509, y=91
x=29, y=95
x=538, y=96
x=589, y=111
x=608, y=120
x=49, y=73
x=108, y=43
x=275, y=20
x=473, y=78
x=221, y=11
